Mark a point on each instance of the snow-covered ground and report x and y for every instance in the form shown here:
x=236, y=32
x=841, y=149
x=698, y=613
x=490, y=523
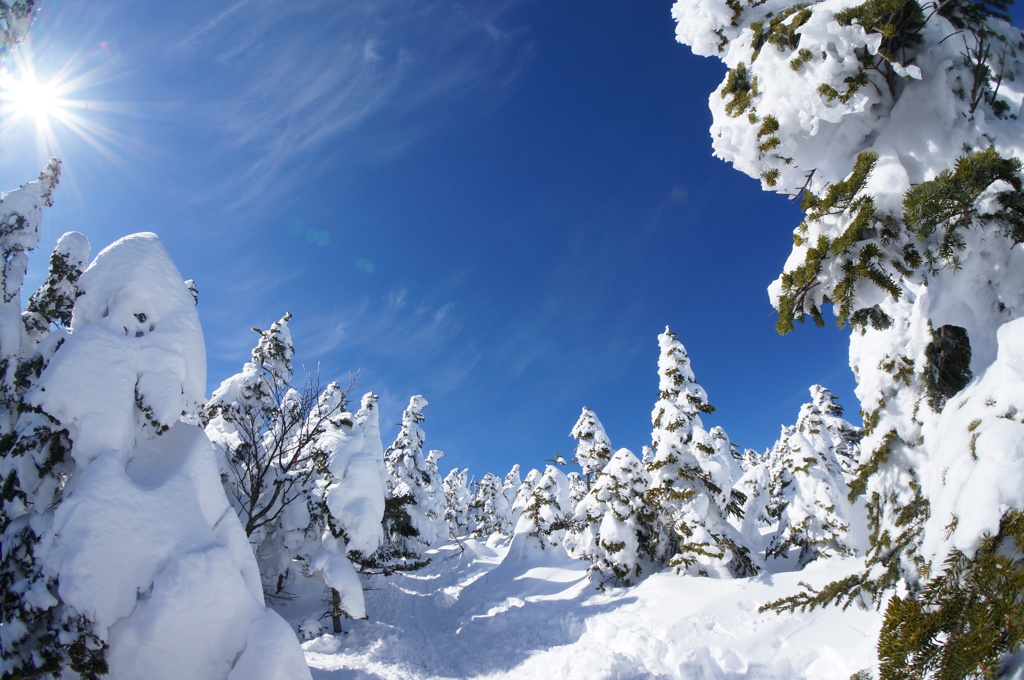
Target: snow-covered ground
x=475, y=614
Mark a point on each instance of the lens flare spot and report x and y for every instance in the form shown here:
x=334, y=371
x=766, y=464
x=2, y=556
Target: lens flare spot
x=318, y=237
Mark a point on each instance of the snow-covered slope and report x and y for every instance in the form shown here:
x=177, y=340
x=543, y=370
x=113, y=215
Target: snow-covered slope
x=476, y=614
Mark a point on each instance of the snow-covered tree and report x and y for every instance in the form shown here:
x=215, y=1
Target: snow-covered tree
x=41, y=634
x=510, y=489
x=52, y=304
x=349, y=514
x=593, y=448
x=457, y=498
x=813, y=510
x=15, y=20
x=691, y=476
x=437, y=486
x=414, y=504
x=894, y=121
x=755, y=485
x=147, y=543
x=20, y=220
x=523, y=493
x=488, y=511
x=547, y=511
x=577, y=488
x=615, y=530
x=267, y=432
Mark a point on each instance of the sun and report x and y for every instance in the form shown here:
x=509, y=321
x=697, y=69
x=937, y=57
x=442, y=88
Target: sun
x=48, y=107
x=27, y=97
x=33, y=99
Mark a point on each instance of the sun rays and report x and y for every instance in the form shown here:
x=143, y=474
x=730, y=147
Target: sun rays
x=55, y=109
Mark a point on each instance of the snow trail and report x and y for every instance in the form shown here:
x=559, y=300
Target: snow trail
x=486, y=613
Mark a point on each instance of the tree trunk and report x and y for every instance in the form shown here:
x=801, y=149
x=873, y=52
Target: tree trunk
x=336, y=611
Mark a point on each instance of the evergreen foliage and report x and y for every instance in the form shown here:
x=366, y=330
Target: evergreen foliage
x=948, y=368
x=962, y=622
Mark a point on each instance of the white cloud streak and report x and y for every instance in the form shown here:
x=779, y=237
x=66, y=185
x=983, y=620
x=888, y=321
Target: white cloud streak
x=288, y=86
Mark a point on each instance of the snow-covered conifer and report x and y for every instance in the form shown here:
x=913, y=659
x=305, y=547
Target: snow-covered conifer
x=488, y=511
x=755, y=485
x=548, y=510
x=614, y=533
x=523, y=493
x=907, y=218
x=593, y=449
x=41, y=634
x=812, y=507
x=51, y=305
x=577, y=488
x=845, y=437
x=414, y=505
x=15, y=21
x=146, y=544
x=20, y=220
x=437, y=486
x=510, y=488
x=691, y=476
x=457, y=499
x=352, y=503
x=267, y=433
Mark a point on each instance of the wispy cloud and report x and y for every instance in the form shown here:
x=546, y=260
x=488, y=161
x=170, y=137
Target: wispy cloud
x=395, y=325
x=288, y=86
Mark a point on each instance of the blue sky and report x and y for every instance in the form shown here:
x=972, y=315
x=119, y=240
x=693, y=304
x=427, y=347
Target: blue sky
x=497, y=204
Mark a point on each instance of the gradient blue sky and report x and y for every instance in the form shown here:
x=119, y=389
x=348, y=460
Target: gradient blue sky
x=498, y=204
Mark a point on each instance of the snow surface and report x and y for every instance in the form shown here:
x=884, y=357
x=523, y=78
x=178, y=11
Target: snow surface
x=484, y=613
